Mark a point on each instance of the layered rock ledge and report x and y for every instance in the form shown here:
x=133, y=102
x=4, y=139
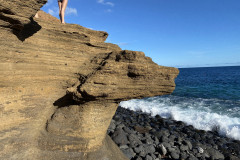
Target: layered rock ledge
x=60, y=86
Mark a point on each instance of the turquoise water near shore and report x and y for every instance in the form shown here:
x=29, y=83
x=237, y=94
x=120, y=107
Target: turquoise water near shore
x=207, y=98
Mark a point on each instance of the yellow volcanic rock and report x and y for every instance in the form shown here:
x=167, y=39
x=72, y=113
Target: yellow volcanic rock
x=60, y=85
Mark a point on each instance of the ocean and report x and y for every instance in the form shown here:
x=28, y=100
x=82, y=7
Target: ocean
x=207, y=98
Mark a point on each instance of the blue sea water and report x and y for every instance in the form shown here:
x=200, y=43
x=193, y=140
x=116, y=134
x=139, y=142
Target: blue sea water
x=209, y=82
x=207, y=98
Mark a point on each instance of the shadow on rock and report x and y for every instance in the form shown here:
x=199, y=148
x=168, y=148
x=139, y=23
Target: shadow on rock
x=28, y=30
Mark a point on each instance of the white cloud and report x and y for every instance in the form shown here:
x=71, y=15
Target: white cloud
x=69, y=11
x=53, y=11
x=110, y=4
x=100, y=1
x=108, y=10
x=106, y=3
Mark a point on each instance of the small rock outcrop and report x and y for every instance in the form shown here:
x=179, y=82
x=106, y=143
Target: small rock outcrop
x=60, y=86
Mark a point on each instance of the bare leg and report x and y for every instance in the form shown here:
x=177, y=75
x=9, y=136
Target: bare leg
x=60, y=8
x=64, y=5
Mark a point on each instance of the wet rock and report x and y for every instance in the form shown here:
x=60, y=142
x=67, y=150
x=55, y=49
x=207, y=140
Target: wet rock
x=143, y=153
x=117, y=118
x=141, y=129
x=183, y=147
x=183, y=155
x=196, y=136
x=195, y=151
x=200, y=156
x=188, y=143
x=192, y=157
x=134, y=140
x=231, y=157
x=164, y=139
x=174, y=155
x=123, y=147
x=156, y=141
x=214, y=154
x=121, y=125
x=149, y=140
x=149, y=157
x=179, y=140
x=163, y=149
x=112, y=126
x=167, y=145
x=120, y=137
x=235, y=146
x=165, y=132
x=128, y=153
x=206, y=155
x=139, y=149
x=148, y=127
x=157, y=134
x=172, y=138
x=153, y=156
x=128, y=131
x=149, y=148
x=200, y=150
x=139, y=158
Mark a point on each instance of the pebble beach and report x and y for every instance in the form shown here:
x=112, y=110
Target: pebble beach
x=143, y=137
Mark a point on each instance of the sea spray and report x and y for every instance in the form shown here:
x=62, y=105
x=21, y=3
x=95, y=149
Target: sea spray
x=205, y=114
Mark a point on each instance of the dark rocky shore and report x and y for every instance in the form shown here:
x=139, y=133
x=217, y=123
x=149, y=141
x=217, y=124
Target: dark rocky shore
x=142, y=137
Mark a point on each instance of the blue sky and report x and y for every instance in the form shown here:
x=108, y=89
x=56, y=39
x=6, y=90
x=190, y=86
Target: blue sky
x=178, y=33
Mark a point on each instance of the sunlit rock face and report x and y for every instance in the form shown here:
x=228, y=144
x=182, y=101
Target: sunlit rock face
x=60, y=85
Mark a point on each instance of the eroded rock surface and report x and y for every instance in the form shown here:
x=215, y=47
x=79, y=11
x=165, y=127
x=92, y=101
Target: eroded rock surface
x=60, y=85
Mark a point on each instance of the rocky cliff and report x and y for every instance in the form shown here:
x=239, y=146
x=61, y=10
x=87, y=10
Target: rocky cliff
x=60, y=85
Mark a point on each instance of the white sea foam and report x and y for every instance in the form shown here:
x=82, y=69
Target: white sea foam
x=204, y=114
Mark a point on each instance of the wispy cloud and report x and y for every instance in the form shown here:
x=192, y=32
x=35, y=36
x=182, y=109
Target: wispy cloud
x=53, y=11
x=231, y=64
x=108, y=10
x=123, y=43
x=69, y=11
x=106, y=3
